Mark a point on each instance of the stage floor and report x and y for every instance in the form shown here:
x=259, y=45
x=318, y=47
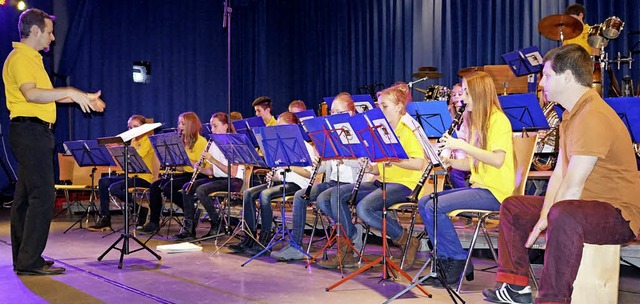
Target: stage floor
x=200, y=277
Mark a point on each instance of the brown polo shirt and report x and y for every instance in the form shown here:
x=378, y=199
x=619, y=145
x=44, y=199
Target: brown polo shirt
x=593, y=128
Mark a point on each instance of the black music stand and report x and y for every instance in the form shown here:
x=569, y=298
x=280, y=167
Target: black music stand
x=382, y=145
x=335, y=138
x=624, y=107
x=524, y=112
x=124, y=139
x=283, y=146
x=237, y=149
x=130, y=159
x=171, y=153
x=433, y=116
x=87, y=153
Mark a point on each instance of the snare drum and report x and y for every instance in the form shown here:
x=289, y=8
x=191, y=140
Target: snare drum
x=597, y=74
x=437, y=92
x=612, y=27
x=596, y=38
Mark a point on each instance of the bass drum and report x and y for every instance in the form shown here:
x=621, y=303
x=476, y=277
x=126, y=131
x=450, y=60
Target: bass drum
x=437, y=92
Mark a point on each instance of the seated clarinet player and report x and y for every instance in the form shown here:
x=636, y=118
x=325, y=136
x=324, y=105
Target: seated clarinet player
x=400, y=178
x=489, y=158
x=592, y=196
x=189, y=127
x=115, y=185
x=296, y=179
x=348, y=171
x=204, y=186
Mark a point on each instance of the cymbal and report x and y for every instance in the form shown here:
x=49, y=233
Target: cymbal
x=431, y=75
x=550, y=26
x=465, y=71
x=427, y=69
x=421, y=90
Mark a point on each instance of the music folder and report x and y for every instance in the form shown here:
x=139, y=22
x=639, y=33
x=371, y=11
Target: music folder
x=524, y=61
x=362, y=102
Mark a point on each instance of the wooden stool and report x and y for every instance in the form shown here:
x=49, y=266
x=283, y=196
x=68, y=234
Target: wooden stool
x=598, y=275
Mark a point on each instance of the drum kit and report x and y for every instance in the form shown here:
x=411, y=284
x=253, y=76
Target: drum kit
x=434, y=92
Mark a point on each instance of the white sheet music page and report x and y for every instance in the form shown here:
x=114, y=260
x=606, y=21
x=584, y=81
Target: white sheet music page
x=137, y=131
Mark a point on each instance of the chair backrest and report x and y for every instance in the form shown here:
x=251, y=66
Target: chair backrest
x=246, y=183
x=523, y=149
x=65, y=167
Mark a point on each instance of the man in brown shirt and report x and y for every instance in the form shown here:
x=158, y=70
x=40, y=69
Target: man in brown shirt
x=593, y=195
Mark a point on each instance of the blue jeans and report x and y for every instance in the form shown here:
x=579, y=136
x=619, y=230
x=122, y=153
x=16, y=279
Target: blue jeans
x=369, y=205
x=449, y=245
x=265, y=195
x=300, y=207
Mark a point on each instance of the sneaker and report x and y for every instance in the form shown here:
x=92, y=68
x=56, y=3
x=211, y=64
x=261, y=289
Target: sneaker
x=506, y=294
x=287, y=253
x=149, y=228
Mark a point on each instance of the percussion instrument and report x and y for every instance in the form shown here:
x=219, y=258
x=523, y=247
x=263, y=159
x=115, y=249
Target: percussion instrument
x=596, y=37
x=612, y=27
x=465, y=71
x=436, y=92
x=560, y=27
x=597, y=73
x=428, y=74
x=427, y=69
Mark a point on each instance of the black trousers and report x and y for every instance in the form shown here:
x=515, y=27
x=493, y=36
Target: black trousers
x=33, y=202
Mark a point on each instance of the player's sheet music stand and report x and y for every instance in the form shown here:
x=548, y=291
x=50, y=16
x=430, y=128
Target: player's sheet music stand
x=524, y=112
x=130, y=159
x=125, y=140
x=282, y=146
x=335, y=138
x=434, y=158
x=171, y=153
x=526, y=61
x=237, y=149
x=361, y=102
x=433, y=116
x=382, y=145
x=625, y=106
x=244, y=126
x=87, y=153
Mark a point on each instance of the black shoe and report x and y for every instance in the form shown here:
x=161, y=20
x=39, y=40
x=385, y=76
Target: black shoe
x=42, y=271
x=187, y=232
x=445, y=264
x=103, y=224
x=48, y=263
x=507, y=294
x=246, y=243
x=149, y=228
x=455, y=270
x=265, y=238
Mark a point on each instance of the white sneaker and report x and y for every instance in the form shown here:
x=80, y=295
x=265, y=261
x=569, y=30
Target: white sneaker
x=287, y=253
x=506, y=294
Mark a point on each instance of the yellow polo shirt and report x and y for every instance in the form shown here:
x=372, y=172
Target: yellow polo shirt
x=145, y=150
x=582, y=39
x=413, y=148
x=272, y=122
x=500, y=181
x=24, y=65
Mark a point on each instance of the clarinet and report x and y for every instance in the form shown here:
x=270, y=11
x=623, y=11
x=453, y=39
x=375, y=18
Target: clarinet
x=352, y=198
x=198, y=166
x=270, y=180
x=312, y=179
x=457, y=120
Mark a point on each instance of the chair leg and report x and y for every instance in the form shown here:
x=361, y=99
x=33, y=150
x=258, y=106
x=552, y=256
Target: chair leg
x=471, y=246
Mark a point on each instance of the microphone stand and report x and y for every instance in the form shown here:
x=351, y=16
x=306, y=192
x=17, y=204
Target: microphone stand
x=226, y=24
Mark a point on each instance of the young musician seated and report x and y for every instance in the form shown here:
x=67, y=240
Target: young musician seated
x=296, y=179
x=458, y=178
x=490, y=160
x=203, y=187
x=115, y=185
x=189, y=127
x=262, y=106
x=400, y=178
x=348, y=171
x=593, y=193
x=297, y=106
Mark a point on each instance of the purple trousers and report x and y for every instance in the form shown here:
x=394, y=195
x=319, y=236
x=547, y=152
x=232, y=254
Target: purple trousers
x=571, y=223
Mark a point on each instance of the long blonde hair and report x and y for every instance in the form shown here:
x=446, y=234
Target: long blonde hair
x=485, y=99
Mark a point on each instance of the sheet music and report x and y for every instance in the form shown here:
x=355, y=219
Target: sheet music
x=137, y=131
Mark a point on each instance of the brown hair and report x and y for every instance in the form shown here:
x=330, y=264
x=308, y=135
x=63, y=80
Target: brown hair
x=141, y=119
x=262, y=101
x=191, y=129
x=31, y=17
x=574, y=58
x=221, y=117
x=576, y=9
x=289, y=118
x=298, y=104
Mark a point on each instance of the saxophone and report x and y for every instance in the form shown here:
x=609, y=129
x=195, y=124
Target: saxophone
x=545, y=163
x=198, y=166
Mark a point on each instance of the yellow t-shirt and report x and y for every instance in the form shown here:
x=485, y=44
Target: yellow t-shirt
x=413, y=148
x=195, y=153
x=582, y=39
x=272, y=122
x=500, y=181
x=145, y=150
x=24, y=65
